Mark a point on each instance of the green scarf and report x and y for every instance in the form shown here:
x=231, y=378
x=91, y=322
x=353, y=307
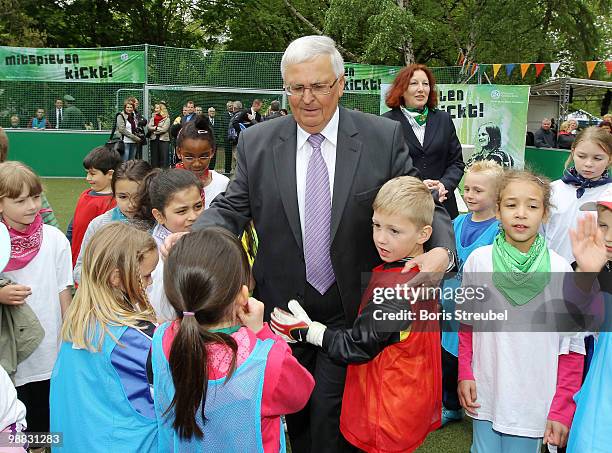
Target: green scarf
x=421, y=118
x=227, y=330
x=520, y=276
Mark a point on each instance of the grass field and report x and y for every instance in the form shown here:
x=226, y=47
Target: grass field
x=63, y=194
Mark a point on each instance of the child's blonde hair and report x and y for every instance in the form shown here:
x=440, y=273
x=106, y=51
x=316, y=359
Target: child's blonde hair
x=14, y=176
x=406, y=196
x=97, y=303
x=489, y=168
x=526, y=176
x=594, y=134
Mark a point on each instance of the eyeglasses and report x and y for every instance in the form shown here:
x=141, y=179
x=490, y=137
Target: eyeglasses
x=317, y=89
x=193, y=159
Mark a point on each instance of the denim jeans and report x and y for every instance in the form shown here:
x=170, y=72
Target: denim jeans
x=130, y=150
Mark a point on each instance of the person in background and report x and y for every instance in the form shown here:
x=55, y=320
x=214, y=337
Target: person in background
x=573, y=126
x=127, y=127
x=430, y=133
x=211, y=120
x=545, y=137
x=274, y=111
x=159, y=142
x=73, y=117
x=14, y=121
x=40, y=120
x=141, y=125
x=190, y=116
x=566, y=138
x=198, y=110
x=606, y=126
x=178, y=119
x=58, y=114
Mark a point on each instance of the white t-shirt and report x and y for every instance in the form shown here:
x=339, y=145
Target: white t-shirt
x=217, y=185
x=565, y=214
x=48, y=274
x=516, y=372
x=11, y=409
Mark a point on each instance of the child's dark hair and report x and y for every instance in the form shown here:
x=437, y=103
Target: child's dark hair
x=199, y=129
x=158, y=188
x=102, y=158
x=526, y=176
x=132, y=170
x=203, y=275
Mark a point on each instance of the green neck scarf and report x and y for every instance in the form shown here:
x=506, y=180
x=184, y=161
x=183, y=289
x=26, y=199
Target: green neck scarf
x=421, y=114
x=227, y=330
x=520, y=276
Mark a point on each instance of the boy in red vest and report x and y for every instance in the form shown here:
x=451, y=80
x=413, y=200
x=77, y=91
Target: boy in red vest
x=100, y=164
x=392, y=395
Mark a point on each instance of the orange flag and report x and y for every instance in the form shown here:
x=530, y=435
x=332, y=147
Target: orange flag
x=609, y=66
x=496, y=68
x=590, y=67
x=539, y=67
x=524, y=67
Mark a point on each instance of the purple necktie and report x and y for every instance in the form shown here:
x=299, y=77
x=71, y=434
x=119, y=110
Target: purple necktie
x=317, y=220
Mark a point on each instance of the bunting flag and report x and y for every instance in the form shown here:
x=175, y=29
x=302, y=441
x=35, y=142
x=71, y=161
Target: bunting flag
x=608, y=66
x=553, y=68
x=460, y=58
x=524, y=67
x=539, y=67
x=496, y=69
x=590, y=67
x=509, y=68
x=474, y=69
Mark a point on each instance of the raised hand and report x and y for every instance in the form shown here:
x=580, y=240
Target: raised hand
x=588, y=245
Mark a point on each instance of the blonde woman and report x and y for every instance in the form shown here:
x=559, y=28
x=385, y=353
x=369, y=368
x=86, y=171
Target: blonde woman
x=565, y=138
x=100, y=398
x=158, y=127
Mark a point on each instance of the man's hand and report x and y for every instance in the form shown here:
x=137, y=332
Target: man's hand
x=556, y=433
x=14, y=294
x=467, y=396
x=432, y=266
x=169, y=242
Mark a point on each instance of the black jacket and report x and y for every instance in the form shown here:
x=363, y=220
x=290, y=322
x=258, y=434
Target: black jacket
x=440, y=157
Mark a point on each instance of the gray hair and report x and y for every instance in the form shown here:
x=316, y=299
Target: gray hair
x=307, y=48
x=238, y=105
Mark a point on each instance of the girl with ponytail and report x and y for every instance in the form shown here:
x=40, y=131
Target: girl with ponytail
x=222, y=379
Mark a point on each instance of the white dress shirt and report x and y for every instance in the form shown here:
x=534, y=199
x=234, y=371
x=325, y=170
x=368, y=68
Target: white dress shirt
x=304, y=151
x=419, y=130
x=58, y=117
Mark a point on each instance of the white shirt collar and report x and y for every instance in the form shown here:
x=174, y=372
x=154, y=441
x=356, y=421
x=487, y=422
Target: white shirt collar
x=330, y=131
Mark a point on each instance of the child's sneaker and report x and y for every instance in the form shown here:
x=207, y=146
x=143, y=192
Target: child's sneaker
x=449, y=416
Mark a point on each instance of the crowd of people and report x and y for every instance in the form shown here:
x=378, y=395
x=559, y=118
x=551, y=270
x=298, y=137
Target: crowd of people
x=205, y=310
x=547, y=137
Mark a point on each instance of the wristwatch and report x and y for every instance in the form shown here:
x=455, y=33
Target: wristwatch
x=451, y=260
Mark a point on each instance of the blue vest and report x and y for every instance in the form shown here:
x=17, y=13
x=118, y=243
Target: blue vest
x=592, y=426
x=89, y=405
x=450, y=338
x=233, y=407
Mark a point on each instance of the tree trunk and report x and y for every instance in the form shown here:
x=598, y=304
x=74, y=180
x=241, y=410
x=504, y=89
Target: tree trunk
x=407, y=46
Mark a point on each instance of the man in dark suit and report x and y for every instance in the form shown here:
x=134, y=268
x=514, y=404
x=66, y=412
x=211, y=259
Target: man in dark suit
x=57, y=117
x=316, y=252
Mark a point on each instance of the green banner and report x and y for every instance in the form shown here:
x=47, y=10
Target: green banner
x=486, y=117
x=365, y=78
x=72, y=65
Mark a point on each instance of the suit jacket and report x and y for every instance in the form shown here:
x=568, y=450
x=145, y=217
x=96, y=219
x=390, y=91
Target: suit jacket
x=440, y=156
x=369, y=152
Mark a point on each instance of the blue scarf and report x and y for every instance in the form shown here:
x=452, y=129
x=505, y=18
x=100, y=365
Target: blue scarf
x=39, y=124
x=571, y=176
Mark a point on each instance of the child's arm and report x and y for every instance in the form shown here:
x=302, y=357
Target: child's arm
x=569, y=377
x=467, y=384
x=65, y=298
